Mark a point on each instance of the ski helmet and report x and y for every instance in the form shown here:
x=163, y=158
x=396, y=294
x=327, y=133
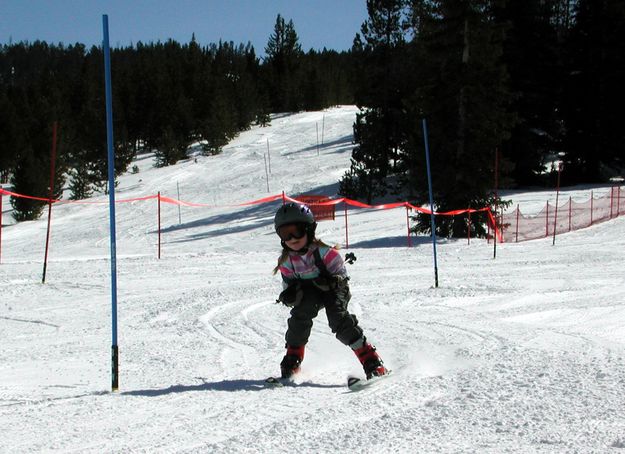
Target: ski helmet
x=295, y=213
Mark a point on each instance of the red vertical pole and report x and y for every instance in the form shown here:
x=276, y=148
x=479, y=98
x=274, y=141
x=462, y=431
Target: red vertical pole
x=50, y=195
x=592, y=197
x=618, y=204
x=611, y=201
x=517, y=223
x=346, y=228
x=547, y=220
x=501, y=225
x=496, y=201
x=159, y=224
x=408, y=226
x=570, y=211
x=555, y=217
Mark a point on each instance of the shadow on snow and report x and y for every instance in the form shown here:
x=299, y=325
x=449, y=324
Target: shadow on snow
x=224, y=385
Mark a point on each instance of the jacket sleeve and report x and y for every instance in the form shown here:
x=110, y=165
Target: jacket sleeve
x=288, y=275
x=334, y=262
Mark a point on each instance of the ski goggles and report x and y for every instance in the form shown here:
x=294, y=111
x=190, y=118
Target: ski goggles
x=290, y=232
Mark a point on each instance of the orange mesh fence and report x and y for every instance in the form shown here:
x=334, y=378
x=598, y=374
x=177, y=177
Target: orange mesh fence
x=567, y=217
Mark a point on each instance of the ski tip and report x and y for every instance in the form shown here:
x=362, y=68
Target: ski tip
x=357, y=383
x=273, y=381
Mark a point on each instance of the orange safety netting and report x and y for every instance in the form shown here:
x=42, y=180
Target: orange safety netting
x=283, y=197
x=272, y=198
x=567, y=217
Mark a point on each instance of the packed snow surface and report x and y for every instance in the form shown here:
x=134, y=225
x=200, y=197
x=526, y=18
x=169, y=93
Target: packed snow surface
x=524, y=352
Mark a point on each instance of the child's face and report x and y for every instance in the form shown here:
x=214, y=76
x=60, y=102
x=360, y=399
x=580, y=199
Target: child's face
x=293, y=235
x=297, y=244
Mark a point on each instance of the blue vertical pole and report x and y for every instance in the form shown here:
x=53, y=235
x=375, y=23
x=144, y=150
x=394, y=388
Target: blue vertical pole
x=111, y=175
x=427, y=163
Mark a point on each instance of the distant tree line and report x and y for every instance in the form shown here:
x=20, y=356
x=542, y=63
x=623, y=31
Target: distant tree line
x=167, y=96
x=535, y=81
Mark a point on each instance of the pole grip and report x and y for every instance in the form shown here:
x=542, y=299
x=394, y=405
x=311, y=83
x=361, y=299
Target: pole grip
x=114, y=368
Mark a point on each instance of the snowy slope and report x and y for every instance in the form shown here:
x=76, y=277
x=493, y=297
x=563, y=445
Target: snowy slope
x=525, y=353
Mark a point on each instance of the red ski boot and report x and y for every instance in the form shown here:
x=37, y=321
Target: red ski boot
x=291, y=361
x=370, y=360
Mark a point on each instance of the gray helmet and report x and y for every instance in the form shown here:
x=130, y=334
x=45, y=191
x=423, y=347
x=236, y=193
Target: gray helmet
x=293, y=213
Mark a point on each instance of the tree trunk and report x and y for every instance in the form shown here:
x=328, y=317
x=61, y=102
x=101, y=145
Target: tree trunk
x=462, y=114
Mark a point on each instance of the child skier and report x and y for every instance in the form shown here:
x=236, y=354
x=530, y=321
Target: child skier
x=314, y=277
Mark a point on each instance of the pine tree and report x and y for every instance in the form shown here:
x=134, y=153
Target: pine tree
x=532, y=55
x=594, y=90
x=11, y=136
x=462, y=92
x=80, y=181
x=366, y=176
x=29, y=178
x=284, y=55
x=378, y=133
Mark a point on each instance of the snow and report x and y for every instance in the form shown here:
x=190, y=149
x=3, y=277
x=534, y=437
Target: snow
x=522, y=353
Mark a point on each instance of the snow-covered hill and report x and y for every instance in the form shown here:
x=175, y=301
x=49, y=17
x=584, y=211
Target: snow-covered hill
x=522, y=353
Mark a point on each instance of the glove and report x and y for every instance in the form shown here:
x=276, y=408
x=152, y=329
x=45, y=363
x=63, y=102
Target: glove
x=337, y=285
x=343, y=295
x=326, y=284
x=291, y=296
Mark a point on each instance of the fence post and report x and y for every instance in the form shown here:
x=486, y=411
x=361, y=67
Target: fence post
x=611, y=201
x=547, y=220
x=50, y=195
x=517, y=223
x=592, y=197
x=570, y=211
x=618, y=204
x=501, y=240
x=555, y=217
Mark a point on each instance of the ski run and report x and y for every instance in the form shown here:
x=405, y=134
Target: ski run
x=522, y=353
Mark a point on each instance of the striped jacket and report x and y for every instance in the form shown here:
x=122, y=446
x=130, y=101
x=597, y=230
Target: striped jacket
x=298, y=266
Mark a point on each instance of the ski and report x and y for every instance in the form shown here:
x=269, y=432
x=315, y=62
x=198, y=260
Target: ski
x=274, y=382
x=358, y=383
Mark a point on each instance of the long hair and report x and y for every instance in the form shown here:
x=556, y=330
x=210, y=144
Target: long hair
x=285, y=252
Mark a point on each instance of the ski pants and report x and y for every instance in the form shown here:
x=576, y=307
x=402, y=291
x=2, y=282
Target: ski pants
x=343, y=324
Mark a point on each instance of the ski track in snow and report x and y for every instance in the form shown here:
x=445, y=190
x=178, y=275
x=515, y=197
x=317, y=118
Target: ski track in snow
x=524, y=353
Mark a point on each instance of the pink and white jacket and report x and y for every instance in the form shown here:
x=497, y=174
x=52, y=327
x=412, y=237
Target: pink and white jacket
x=302, y=266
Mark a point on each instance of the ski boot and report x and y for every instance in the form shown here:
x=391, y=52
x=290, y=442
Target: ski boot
x=369, y=358
x=290, y=364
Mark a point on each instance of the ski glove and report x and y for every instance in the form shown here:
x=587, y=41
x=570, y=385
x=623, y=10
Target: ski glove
x=326, y=284
x=338, y=285
x=292, y=295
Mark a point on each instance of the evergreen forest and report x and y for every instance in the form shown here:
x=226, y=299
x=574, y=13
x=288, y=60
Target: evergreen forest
x=508, y=88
